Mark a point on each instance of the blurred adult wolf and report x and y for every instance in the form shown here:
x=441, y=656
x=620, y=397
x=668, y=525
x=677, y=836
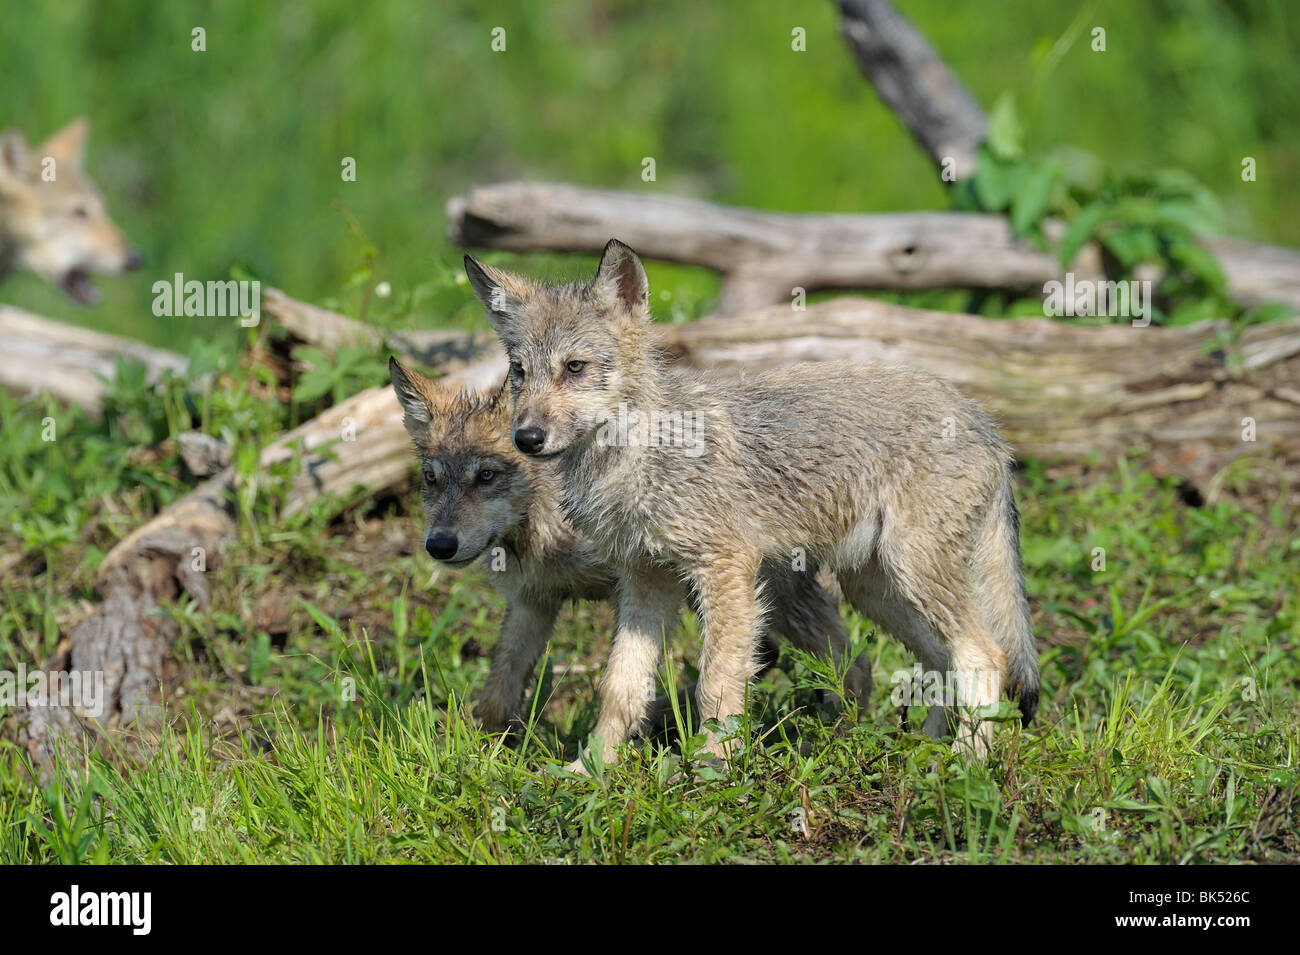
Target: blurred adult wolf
x=52, y=219
x=887, y=475
x=482, y=497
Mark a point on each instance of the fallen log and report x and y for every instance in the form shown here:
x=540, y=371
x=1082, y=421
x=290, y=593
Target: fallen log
x=1063, y=391
x=69, y=362
x=764, y=256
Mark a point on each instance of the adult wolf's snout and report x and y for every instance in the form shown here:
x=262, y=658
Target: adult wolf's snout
x=530, y=440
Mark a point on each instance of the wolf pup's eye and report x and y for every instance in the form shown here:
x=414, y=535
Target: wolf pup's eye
x=430, y=477
x=575, y=367
x=80, y=212
x=516, y=371
x=486, y=475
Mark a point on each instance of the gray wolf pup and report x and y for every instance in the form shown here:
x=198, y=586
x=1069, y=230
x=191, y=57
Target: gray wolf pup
x=52, y=219
x=886, y=475
x=483, y=498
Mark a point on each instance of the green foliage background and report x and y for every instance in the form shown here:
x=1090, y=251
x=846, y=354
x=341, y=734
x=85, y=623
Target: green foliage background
x=230, y=159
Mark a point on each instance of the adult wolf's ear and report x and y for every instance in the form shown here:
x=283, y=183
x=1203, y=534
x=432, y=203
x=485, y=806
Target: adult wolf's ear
x=417, y=410
x=496, y=290
x=620, y=280
x=68, y=145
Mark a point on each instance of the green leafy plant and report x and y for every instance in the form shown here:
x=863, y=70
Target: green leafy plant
x=337, y=375
x=1139, y=220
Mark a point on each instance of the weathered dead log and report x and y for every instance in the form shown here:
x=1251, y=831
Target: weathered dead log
x=360, y=442
x=71, y=363
x=438, y=349
x=1256, y=273
x=915, y=83
x=203, y=454
x=764, y=256
x=118, y=650
x=1061, y=391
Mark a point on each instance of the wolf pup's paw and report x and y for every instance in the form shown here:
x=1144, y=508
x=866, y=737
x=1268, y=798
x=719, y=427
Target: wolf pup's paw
x=973, y=742
x=577, y=768
x=492, y=720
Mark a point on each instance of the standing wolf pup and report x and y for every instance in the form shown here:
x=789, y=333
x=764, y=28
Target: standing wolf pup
x=482, y=497
x=885, y=474
x=52, y=219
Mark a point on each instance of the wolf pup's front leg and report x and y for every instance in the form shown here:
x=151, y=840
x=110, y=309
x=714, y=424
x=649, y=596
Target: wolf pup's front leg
x=524, y=634
x=648, y=603
x=732, y=615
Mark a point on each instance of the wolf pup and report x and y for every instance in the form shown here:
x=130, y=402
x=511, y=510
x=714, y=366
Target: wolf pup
x=888, y=476
x=52, y=219
x=482, y=497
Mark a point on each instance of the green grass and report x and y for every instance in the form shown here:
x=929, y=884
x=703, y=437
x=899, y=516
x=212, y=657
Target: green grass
x=1168, y=731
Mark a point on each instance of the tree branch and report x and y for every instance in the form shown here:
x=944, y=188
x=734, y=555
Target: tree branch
x=913, y=80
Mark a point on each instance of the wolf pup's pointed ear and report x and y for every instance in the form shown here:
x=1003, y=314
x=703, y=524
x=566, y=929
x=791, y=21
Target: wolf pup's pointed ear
x=621, y=279
x=14, y=154
x=69, y=143
x=417, y=412
x=491, y=286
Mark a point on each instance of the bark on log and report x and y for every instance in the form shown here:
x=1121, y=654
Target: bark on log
x=42, y=355
x=915, y=82
x=120, y=647
x=764, y=255
x=360, y=442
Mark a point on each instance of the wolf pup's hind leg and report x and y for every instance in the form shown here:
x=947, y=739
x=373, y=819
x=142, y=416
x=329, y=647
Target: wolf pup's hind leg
x=1000, y=590
x=805, y=609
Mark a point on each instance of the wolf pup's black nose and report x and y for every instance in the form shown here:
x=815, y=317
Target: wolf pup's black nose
x=530, y=440
x=442, y=545
x=133, y=260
